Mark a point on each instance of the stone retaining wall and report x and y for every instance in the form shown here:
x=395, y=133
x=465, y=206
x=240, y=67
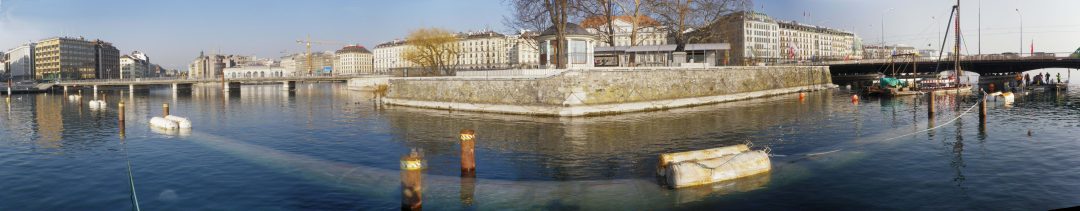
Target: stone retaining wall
x=605, y=91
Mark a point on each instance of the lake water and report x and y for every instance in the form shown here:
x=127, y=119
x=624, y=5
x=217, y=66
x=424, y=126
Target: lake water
x=324, y=147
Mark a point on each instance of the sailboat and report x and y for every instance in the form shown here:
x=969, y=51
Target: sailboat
x=949, y=83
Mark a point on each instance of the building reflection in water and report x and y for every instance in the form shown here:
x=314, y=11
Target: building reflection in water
x=49, y=119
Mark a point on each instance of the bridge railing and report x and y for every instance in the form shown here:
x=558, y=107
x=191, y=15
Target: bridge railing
x=981, y=57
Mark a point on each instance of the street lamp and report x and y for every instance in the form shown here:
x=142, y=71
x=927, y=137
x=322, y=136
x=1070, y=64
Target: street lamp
x=883, y=25
x=1021, y=52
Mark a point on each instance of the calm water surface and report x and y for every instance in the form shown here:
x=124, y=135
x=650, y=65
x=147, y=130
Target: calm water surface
x=327, y=148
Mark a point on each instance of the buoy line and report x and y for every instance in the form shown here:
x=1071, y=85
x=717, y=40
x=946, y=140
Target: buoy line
x=807, y=155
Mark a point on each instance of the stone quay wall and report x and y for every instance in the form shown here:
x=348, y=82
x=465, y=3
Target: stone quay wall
x=600, y=91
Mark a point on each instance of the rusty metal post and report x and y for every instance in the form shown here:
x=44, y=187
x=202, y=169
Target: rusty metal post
x=165, y=109
x=468, y=153
x=411, y=182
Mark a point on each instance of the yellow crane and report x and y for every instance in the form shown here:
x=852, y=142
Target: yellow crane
x=307, y=43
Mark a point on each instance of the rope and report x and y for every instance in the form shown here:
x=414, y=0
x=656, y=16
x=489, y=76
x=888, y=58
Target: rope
x=900, y=136
x=131, y=179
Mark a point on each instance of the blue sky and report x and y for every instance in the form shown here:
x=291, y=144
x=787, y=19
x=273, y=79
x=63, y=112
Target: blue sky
x=173, y=32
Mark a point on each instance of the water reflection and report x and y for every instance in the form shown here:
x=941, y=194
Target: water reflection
x=579, y=148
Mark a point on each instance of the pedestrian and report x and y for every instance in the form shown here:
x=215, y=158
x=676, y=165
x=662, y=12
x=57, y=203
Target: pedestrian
x=1027, y=79
x=1047, y=78
x=1059, y=77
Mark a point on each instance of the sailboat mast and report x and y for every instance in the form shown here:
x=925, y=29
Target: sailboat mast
x=956, y=49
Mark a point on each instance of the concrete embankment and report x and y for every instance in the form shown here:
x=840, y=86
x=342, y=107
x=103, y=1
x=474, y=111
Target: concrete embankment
x=605, y=91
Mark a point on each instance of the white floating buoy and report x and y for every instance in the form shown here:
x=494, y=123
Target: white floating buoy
x=1008, y=96
x=181, y=122
x=74, y=97
x=667, y=159
x=163, y=123
x=98, y=105
x=728, y=167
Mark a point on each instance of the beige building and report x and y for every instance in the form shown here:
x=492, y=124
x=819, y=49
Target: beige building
x=648, y=31
x=353, y=60
x=388, y=56
x=756, y=38
x=483, y=51
x=486, y=50
x=321, y=63
x=801, y=42
x=524, y=53
x=885, y=52
x=75, y=58
x=213, y=66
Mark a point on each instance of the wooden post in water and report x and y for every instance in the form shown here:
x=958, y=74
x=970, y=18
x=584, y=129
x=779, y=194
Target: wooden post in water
x=468, y=166
x=165, y=109
x=982, y=107
x=411, y=182
x=930, y=104
x=120, y=106
x=468, y=154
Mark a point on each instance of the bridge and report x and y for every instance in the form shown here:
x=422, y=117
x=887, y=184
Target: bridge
x=289, y=83
x=984, y=65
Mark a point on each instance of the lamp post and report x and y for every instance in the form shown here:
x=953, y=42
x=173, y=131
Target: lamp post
x=1021, y=52
x=883, y=25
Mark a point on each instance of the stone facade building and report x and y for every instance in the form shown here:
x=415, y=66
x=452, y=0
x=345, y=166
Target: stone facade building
x=884, y=52
x=758, y=39
x=353, y=60
x=801, y=42
x=388, y=56
x=524, y=53
x=321, y=63
x=649, y=31
x=483, y=51
x=136, y=65
x=213, y=66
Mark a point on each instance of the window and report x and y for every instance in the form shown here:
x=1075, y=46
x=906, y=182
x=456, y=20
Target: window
x=578, y=52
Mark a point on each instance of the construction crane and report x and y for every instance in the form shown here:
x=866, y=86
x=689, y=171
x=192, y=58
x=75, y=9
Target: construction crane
x=307, y=43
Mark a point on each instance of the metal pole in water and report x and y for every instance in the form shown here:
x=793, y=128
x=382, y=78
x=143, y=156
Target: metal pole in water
x=411, y=182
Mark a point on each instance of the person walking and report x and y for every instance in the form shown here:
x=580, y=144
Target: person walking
x=1027, y=79
x=1059, y=78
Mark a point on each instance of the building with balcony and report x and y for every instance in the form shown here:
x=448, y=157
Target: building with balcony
x=353, y=60
x=75, y=58
x=388, y=56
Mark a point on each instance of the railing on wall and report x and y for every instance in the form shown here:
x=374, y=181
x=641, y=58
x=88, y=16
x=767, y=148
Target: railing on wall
x=510, y=73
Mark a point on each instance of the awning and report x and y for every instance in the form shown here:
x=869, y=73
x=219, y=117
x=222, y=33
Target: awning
x=707, y=46
x=652, y=48
x=610, y=49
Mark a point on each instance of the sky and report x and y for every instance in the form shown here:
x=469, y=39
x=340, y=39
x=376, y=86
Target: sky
x=173, y=33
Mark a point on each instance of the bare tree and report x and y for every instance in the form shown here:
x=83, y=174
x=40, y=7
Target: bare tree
x=679, y=17
x=599, y=14
x=533, y=14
